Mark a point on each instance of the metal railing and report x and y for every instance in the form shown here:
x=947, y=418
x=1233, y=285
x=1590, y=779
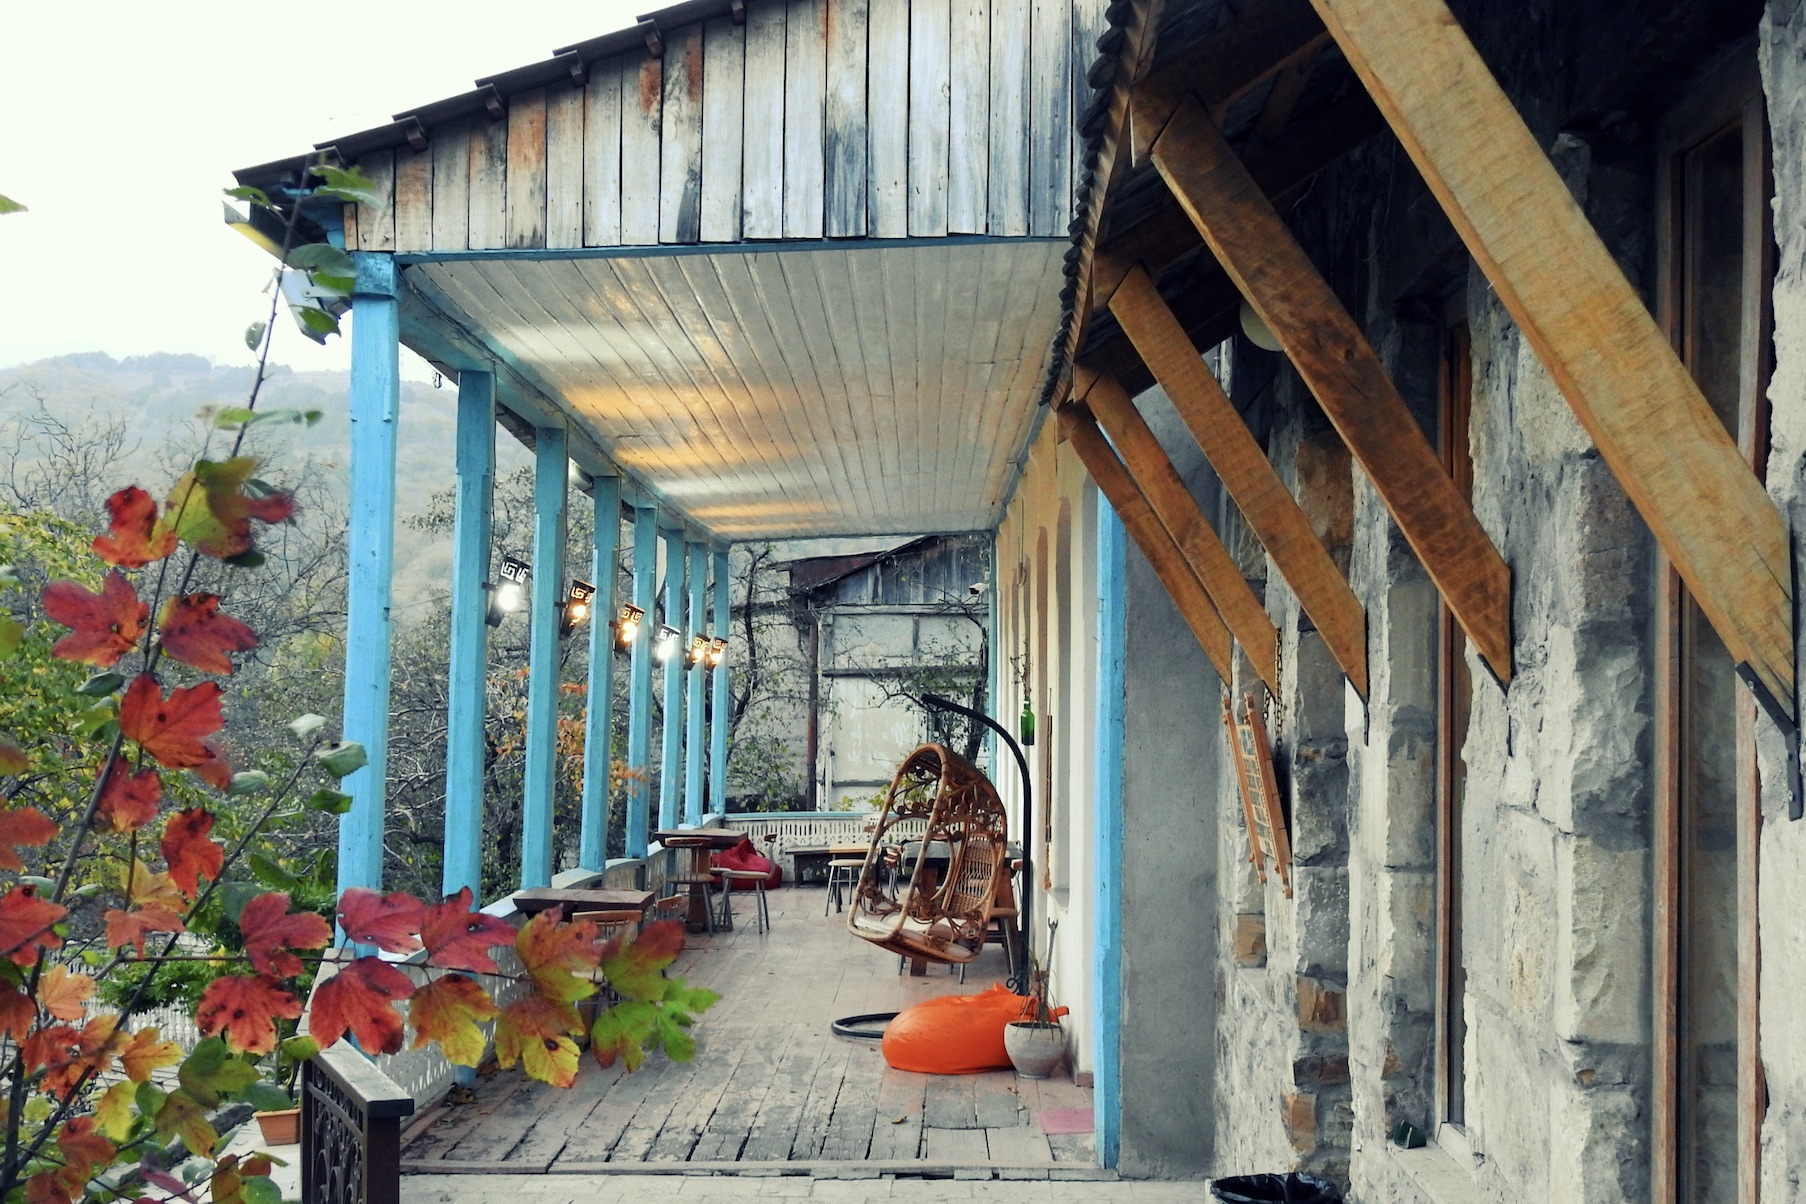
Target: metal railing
x=351, y=1116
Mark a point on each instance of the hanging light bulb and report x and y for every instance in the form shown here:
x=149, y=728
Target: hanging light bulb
x=627, y=625
x=717, y=652
x=699, y=650
x=665, y=646
x=507, y=595
x=576, y=606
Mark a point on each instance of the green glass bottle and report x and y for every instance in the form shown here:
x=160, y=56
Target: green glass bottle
x=1026, y=725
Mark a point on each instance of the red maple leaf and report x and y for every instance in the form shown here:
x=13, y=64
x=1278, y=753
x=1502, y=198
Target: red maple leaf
x=190, y=851
x=135, y=537
x=535, y=1030
x=209, y=508
x=196, y=633
x=72, y=1059
x=17, y=1013
x=25, y=924
x=460, y=939
x=558, y=957
x=387, y=921
x=129, y=800
x=131, y=927
x=102, y=627
x=448, y=1011
x=175, y=729
x=271, y=934
x=49, y=1046
x=27, y=826
x=83, y=1152
x=360, y=999
x=244, y=1008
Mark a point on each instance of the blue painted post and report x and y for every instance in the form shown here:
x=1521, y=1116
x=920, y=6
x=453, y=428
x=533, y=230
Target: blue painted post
x=465, y=710
x=695, y=743
x=375, y=409
x=1106, y=957
x=598, y=722
x=639, y=682
x=671, y=768
x=551, y=478
x=720, y=701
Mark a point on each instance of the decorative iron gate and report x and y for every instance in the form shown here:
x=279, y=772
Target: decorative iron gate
x=351, y=1116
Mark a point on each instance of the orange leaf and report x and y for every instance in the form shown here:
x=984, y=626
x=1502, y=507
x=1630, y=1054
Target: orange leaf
x=129, y=800
x=535, y=1031
x=460, y=939
x=558, y=957
x=147, y=1051
x=27, y=826
x=144, y=887
x=196, y=633
x=17, y=1014
x=173, y=729
x=448, y=1011
x=25, y=924
x=244, y=1008
x=387, y=921
x=134, y=538
x=270, y=933
x=131, y=927
x=190, y=851
x=62, y=993
x=360, y=999
x=102, y=627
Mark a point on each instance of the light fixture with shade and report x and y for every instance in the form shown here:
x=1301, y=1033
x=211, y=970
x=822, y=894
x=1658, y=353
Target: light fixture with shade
x=627, y=626
x=664, y=647
x=506, y=595
x=576, y=606
x=717, y=652
x=699, y=651
x=1257, y=330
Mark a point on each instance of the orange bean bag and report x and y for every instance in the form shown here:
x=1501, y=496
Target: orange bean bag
x=955, y=1034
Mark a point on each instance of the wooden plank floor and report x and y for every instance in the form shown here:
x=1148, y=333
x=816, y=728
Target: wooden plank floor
x=770, y=1082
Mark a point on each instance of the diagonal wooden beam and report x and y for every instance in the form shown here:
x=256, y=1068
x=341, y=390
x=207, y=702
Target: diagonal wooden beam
x=1274, y=516
x=1330, y=353
x=1584, y=320
x=1114, y=482
x=1173, y=504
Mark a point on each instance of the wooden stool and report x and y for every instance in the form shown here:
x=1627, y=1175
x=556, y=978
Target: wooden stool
x=757, y=877
x=841, y=871
x=699, y=877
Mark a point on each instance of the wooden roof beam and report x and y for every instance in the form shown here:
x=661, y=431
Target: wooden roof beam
x=1272, y=513
x=1272, y=36
x=1120, y=490
x=1585, y=322
x=1173, y=504
x=1252, y=242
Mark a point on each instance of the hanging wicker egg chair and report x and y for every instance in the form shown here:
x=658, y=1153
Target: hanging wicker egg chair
x=940, y=921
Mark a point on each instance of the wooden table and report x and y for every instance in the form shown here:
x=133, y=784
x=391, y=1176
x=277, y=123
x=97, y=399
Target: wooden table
x=718, y=838
x=582, y=899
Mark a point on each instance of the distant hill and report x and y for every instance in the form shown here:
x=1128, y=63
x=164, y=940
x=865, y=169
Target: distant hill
x=161, y=396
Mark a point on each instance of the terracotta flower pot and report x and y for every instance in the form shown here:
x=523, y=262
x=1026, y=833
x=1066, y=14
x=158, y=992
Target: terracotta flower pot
x=280, y=1128
x=1036, y=1049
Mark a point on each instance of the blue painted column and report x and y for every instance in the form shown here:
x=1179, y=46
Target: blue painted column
x=551, y=481
x=639, y=682
x=598, y=720
x=1106, y=956
x=467, y=685
x=695, y=742
x=670, y=783
x=720, y=700
x=375, y=409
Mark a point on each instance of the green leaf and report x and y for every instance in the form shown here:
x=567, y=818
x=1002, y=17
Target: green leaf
x=245, y=560
x=9, y=575
x=8, y=205
x=254, y=334
x=211, y=1073
x=12, y=633
x=299, y=1049
x=345, y=757
x=332, y=802
x=260, y=1189
x=273, y=875
x=311, y=417
x=89, y=722
x=319, y=321
x=100, y=685
x=256, y=196
x=266, y=1097
x=234, y=896
x=307, y=725
x=322, y=257
x=150, y=1098
x=39, y=883
x=342, y=285
x=233, y=417
x=249, y=781
x=346, y=183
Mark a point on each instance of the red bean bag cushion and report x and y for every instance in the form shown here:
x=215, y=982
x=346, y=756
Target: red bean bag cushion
x=742, y=857
x=954, y=1034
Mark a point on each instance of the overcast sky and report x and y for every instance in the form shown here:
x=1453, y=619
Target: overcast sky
x=121, y=122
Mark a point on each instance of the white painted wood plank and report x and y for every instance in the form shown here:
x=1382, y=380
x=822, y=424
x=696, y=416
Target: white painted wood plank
x=899, y=276
x=811, y=369
x=641, y=99
x=930, y=68
x=564, y=166
x=865, y=279
x=526, y=188
x=1050, y=121
x=931, y=300
x=602, y=155
x=805, y=101
x=887, y=109
x=845, y=182
x=762, y=156
x=1008, y=209
x=450, y=149
x=819, y=327
x=952, y=451
x=661, y=334
x=413, y=199
x=376, y=222
x=833, y=284
x=723, y=89
x=680, y=138
x=488, y=178
x=968, y=130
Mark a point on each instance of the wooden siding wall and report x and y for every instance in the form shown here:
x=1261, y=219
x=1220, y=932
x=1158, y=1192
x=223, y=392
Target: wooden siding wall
x=816, y=118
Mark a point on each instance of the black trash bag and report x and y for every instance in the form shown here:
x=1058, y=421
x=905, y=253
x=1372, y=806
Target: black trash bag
x=1291, y=1188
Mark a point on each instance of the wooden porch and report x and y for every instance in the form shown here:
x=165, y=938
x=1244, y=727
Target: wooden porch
x=771, y=1086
